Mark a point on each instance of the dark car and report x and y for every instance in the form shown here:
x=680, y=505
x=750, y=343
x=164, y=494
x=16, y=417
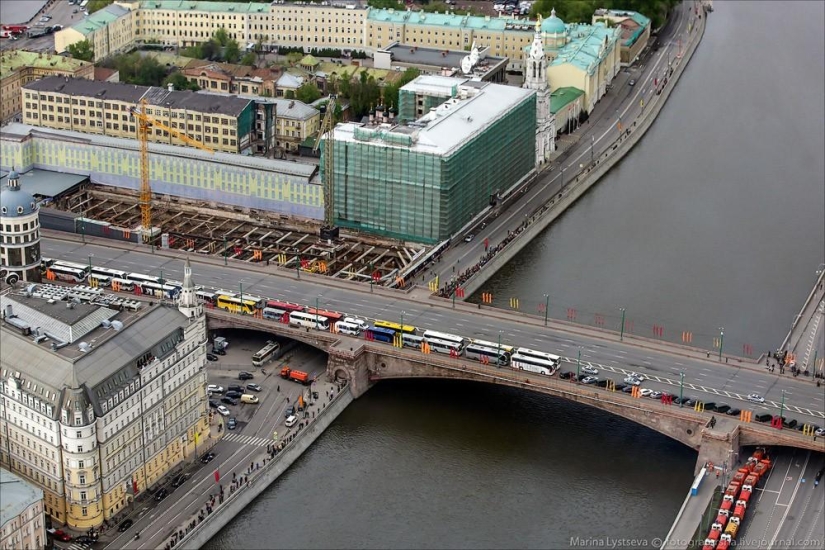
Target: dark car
x=125, y=525
x=161, y=494
x=253, y=387
x=290, y=410
x=210, y=357
x=602, y=383
x=710, y=407
x=789, y=423
x=231, y=424
x=620, y=387
x=218, y=351
x=229, y=401
x=627, y=389
x=233, y=395
x=763, y=417
x=733, y=412
x=238, y=389
x=688, y=401
x=207, y=458
x=214, y=404
x=85, y=539
x=243, y=375
x=565, y=375
x=722, y=408
x=180, y=480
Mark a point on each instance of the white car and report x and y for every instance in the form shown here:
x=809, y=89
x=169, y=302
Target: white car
x=756, y=398
x=214, y=388
x=820, y=432
x=223, y=411
x=632, y=381
x=590, y=370
x=290, y=421
x=655, y=395
x=645, y=392
x=590, y=380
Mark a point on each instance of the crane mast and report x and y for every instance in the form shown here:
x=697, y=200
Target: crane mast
x=325, y=133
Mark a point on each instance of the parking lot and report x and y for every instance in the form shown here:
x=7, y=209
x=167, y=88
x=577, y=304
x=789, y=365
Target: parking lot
x=61, y=14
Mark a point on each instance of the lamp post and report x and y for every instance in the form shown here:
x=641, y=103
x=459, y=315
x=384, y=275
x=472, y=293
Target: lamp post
x=83, y=226
x=224, y=250
x=317, y=299
x=298, y=266
x=721, y=341
x=592, y=144
x=621, y=333
x=90, y=263
x=402, y=321
x=681, y=388
x=578, y=364
x=498, y=357
x=781, y=408
x=562, y=177
x=546, y=307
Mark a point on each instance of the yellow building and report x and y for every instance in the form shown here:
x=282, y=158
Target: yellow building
x=228, y=78
x=89, y=423
x=221, y=123
x=635, y=29
x=22, y=522
x=19, y=67
x=111, y=30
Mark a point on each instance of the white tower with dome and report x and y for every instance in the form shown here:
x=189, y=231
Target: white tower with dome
x=535, y=71
x=19, y=233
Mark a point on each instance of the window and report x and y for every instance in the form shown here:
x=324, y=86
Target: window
x=80, y=448
x=82, y=479
x=80, y=464
x=79, y=434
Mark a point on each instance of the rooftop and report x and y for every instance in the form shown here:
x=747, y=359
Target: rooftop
x=16, y=494
x=586, y=47
x=45, y=183
x=100, y=19
x=13, y=60
x=563, y=97
x=474, y=106
x=451, y=20
x=435, y=57
x=286, y=108
x=197, y=5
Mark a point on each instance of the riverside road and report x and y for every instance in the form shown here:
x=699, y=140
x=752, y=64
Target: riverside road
x=711, y=378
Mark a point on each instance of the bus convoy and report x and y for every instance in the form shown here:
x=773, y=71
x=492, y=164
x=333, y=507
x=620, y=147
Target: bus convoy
x=298, y=316
x=737, y=497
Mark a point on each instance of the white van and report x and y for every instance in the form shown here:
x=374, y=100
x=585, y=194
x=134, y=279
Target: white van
x=345, y=327
x=362, y=324
x=250, y=399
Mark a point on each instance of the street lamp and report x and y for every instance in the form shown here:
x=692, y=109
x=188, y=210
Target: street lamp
x=317, y=299
x=681, y=388
x=224, y=250
x=721, y=341
x=562, y=177
x=621, y=334
x=578, y=364
x=546, y=307
x=90, y=263
x=498, y=357
x=781, y=408
x=592, y=144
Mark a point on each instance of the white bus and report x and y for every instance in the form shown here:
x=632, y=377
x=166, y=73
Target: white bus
x=141, y=278
x=100, y=280
x=111, y=273
x=443, y=346
x=124, y=285
x=494, y=345
x=206, y=297
x=444, y=337
x=345, y=327
x=411, y=340
x=269, y=351
x=308, y=320
x=159, y=291
x=487, y=354
x=273, y=314
x=82, y=267
x=555, y=359
x=68, y=274
x=533, y=364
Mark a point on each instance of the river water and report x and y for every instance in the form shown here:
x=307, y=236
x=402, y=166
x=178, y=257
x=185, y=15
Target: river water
x=714, y=220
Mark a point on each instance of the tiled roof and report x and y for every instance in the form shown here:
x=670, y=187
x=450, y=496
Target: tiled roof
x=100, y=19
x=12, y=60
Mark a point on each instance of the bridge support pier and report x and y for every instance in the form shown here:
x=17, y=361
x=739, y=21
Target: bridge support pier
x=719, y=445
x=348, y=362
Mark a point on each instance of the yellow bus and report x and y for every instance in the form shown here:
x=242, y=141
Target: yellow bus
x=233, y=303
x=394, y=326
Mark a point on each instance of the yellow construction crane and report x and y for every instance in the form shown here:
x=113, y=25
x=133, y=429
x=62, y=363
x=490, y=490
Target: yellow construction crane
x=327, y=126
x=144, y=122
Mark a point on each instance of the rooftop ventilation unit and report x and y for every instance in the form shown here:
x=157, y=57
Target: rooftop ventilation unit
x=117, y=325
x=84, y=347
x=106, y=323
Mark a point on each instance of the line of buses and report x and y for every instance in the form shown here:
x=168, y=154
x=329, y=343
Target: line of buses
x=299, y=316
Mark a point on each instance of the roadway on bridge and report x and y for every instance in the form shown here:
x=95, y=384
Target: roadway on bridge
x=707, y=377
x=623, y=100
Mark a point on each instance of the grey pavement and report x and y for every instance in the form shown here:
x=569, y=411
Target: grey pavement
x=708, y=378
x=806, y=338
x=691, y=514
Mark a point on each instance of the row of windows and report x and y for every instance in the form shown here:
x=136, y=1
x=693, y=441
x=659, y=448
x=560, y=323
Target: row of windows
x=17, y=228
x=20, y=239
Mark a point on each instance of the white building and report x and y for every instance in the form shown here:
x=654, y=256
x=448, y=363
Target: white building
x=535, y=78
x=98, y=404
x=19, y=233
x=22, y=523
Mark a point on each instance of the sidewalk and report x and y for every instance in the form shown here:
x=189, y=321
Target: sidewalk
x=691, y=515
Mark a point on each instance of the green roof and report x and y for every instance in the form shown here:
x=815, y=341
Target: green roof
x=562, y=97
x=15, y=59
x=100, y=19
x=309, y=61
x=584, y=50
x=220, y=7
x=450, y=20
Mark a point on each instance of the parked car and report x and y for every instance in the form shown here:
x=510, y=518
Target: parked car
x=565, y=375
x=734, y=412
x=631, y=82
x=627, y=389
x=590, y=370
x=722, y=408
x=217, y=351
x=790, y=424
x=235, y=387
x=207, y=458
x=655, y=395
x=161, y=494
x=756, y=398
x=179, y=480
x=820, y=431
x=231, y=424
x=228, y=401
x=645, y=392
x=243, y=375
x=223, y=411
x=59, y=534
x=124, y=526
x=710, y=407
x=763, y=417
x=214, y=388
x=214, y=404
x=232, y=395
x=210, y=357
x=290, y=411
x=290, y=421
x=590, y=380
x=253, y=387
x=85, y=539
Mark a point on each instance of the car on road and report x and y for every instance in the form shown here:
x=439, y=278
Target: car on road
x=214, y=404
x=469, y=238
x=633, y=381
x=231, y=424
x=232, y=395
x=627, y=389
x=631, y=82
x=223, y=411
x=210, y=357
x=59, y=534
x=227, y=401
x=179, y=480
x=243, y=375
x=655, y=395
x=356, y=321
x=214, y=388
x=207, y=458
x=565, y=375
x=161, y=494
x=722, y=408
x=590, y=380
x=587, y=369
x=734, y=412
x=290, y=411
x=253, y=387
x=820, y=432
x=756, y=398
x=290, y=421
x=124, y=526
x=85, y=539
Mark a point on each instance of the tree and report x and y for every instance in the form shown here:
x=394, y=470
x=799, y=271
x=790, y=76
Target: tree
x=384, y=4
x=308, y=93
x=294, y=57
x=180, y=82
x=391, y=90
x=95, y=5
x=249, y=59
x=137, y=69
x=82, y=50
x=231, y=51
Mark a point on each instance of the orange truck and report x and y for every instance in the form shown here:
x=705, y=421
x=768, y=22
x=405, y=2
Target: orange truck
x=295, y=375
x=724, y=542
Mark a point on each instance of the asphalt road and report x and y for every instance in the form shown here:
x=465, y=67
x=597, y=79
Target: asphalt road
x=61, y=13
x=623, y=103
x=704, y=378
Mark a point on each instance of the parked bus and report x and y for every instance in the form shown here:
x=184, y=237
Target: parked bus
x=236, y=305
x=443, y=346
x=95, y=279
x=273, y=314
x=555, y=360
x=267, y=354
x=345, y=327
x=159, y=291
x=67, y=274
x=395, y=326
x=259, y=302
x=487, y=355
x=494, y=345
x=444, y=337
x=333, y=316
x=141, y=278
x=305, y=320
x=533, y=364
x=82, y=267
x=382, y=334
x=207, y=297
x=124, y=285
x=284, y=306
x=111, y=273
x=221, y=292
x=411, y=340
x=84, y=3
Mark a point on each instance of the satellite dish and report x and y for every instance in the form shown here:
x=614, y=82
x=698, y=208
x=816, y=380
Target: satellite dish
x=466, y=65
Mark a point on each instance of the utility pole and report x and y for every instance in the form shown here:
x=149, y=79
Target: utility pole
x=621, y=334
x=592, y=144
x=782, y=408
x=681, y=388
x=578, y=364
x=721, y=341
x=498, y=358
x=224, y=249
x=546, y=307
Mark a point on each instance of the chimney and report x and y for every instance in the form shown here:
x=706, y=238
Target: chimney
x=170, y=87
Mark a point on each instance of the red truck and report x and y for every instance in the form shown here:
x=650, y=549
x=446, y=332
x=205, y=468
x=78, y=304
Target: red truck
x=295, y=375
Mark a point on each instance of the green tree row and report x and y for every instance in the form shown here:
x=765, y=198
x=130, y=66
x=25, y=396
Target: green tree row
x=221, y=48
x=581, y=11
x=320, y=52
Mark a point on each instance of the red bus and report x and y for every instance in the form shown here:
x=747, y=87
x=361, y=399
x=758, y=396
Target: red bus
x=15, y=29
x=284, y=306
x=333, y=316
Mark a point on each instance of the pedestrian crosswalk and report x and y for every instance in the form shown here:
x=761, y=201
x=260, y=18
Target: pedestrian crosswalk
x=78, y=546
x=247, y=440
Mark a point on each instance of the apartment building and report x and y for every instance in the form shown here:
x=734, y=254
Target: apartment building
x=111, y=30
x=96, y=405
x=234, y=79
x=224, y=124
x=295, y=122
x=19, y=67
x=635, y=29
x=22, y=523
